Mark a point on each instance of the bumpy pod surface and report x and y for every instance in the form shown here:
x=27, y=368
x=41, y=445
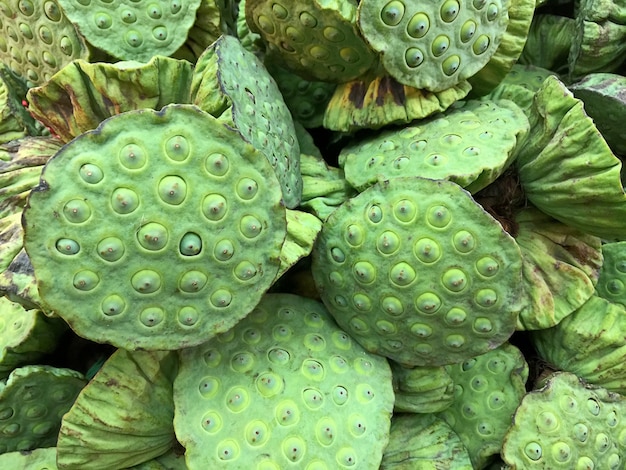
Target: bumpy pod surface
x=433, y=45
x=285, y=388
x=157, y=230
x=567, y=424
x=612, y=281
x=415, y=270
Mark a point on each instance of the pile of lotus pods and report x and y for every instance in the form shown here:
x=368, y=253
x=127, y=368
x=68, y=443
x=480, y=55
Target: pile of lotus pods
x=318, y=234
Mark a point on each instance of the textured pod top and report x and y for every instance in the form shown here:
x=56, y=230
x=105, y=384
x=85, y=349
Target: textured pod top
x=612, y=280
x=157, y=230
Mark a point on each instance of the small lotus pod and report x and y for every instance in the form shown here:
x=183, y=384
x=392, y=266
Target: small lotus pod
x=38, y=39
x=302, y=231
x=32, y=401
x=284, y=388
x=25, y=335
x=567, y=424
x=565, y=165
x=44, y=458
x=227, y=75
x=146, y=234
x=425, y=442
x=82, y=95
x=436, y=45
x=133, y=31
x=317, y=39
x=487, y=390
x=612, y=280
x=375, y=102
x=414, y=270
x=558, y=31
x=123, y=416
x=471, y=144
x=421, y=389
x=588, y=343
x=560, y=270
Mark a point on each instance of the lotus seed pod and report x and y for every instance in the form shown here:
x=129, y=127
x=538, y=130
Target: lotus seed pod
x=426, y=442
x=38, y=39
x=433, y=46
x=559, y=30
x=317, y=39
x=38, y=459
x=32, y=401
x=285, y=387
x=471, y=144
x=401, y=268
x=81, y=95
x=118, y=272
x=228, y=75
x=612, y=277
x=567, y=424
x=487, y=390
x=560, y=270
x=302, y=231
x=421, y=389
x=123, y=416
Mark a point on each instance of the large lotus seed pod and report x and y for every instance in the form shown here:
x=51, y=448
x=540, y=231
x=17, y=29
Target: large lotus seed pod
x=285, y=388
x=558, y=31
x=25, y=335
x=415, y=270
x=471, y=144
x=157, y=230
x=123, y=416
x=82, y=95
x=565, y=166
x=375, y=102
x=227, y=75
x=39, y=459
x=133, y=30
x=589, y=343
x=421, y=389
x=560, y=270
x=612, y=280
x=567, y=424
x=317, y=39
x=433, y=45
x=424, y=442
x=487, y=390
x=302, y=231
x=37, y=39
x=32, y=401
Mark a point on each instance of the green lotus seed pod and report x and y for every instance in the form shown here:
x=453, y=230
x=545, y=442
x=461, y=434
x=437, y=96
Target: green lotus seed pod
x=398, y=268
x=38, y=459
x=421, y=389
x=302, y=231
x=284, y=387
x=141, y=288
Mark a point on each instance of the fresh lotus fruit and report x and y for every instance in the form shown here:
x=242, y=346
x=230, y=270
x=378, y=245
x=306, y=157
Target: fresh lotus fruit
x=421, y=389
x=133, y=30
x=157, y=230
x=231, y=83
x=38, y=459
x=415, y=270
x=32, y=401
x=561, y=268
x=433, y=45
x=424, y=442
x=471, y=144
x=37, y=39
x=612, y=280
x=567, y=424
x=487, y=390
x=317, y=39
x=588, y=343
x=123, y=416
x=82, y=95
x=284, y=388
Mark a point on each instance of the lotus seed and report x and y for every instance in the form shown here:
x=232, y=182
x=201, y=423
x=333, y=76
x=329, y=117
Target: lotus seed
x=190, y=244
x=486, y=297
x=212, y=422
x=362, y=302
x=440, y=45
x=279, y=356
x=188, y=316
x=428, y=303
x=91, y=174
x=26, y=7
x=333, y=34
x=103, y=20
x=405, y=211
x=77, y=211
x=45, y=34
x=247, y=188
x=392, y=306
x=132, y=156
x=133, y=38
x=128, y=16
x=67, y=246
x=392, y=13
x=111, y=249
x=354, y=235
x=113, y=305
x=159, y=33
x=227, y=450
x=364, y=272
x=450, y=10
x=245, y=271
x=152, y=236
x=418, y=25
x=402, y=274
x=421, y=330
x=224, y=250
x=451, y=65
x=481, y=44
x=86, y=280
x=26, y=31
x=413, y=57
x=192, y=281
x=152, y=316
x=124, y=200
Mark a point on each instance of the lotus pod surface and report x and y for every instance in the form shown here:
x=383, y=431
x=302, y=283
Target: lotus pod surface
x=123, y=416
x=43, y=458
x=284, y=388
x=81, y=95
x=471, y=144
x=433, y=45
x=227, y=75
x=612, y=281
x=561, y=268
x=567, y=424
x=133, y=30
x=424, y=442
x=421, y=389
x=415, y=270
x=487, y=390
x=317, y=39
x=32, y=401
x=157, y=230
x=38, y=39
